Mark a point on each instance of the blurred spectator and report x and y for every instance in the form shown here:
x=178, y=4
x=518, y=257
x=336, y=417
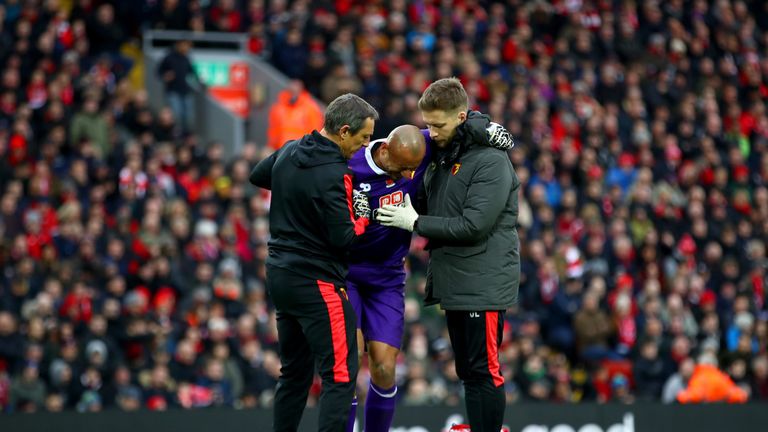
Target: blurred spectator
x=170, y=15
x=104, y=33
x=226, y=17
x=678, y=381
x=213, y=379
x=11, y=342
x=184, y=366
x=293, y=114
x=709, y=384
x=232, y=372
x=649, y=372
x=129, y=398
x=158, y=388
x=592, y=328
x=560, y=320
x=337, y=82
x=290, y=53
x=621, y=390
x=181, y=81
x=120, y=380
x=27, y=390
x=760, y=378
x=89, y=128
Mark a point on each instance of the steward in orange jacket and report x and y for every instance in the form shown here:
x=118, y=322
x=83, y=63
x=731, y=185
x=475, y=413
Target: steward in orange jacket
x=710, y=384
x=293, y=115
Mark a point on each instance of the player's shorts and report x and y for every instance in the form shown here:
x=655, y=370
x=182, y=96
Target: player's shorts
x=377, y=294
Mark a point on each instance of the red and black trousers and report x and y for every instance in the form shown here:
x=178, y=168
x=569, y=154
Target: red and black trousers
x=316, y=326
x=476, y=338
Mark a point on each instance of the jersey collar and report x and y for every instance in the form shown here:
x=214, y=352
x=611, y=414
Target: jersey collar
x=369, y=157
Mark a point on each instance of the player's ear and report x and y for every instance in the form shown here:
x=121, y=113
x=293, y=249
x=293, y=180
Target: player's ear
x=462, y=116
x=383, y=149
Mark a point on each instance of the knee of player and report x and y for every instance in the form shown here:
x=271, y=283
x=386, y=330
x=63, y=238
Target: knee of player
x=383, y=370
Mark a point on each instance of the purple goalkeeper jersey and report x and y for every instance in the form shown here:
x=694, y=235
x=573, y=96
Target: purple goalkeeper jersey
x=382, y=245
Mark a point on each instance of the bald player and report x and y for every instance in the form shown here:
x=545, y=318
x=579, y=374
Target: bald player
x=385, y=171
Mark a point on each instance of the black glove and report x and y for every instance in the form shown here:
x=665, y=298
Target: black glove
x=360, y=205
x=499, y=137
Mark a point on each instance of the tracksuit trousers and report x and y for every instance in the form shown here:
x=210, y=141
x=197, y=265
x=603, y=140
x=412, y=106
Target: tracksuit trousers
x=476, y=338
x=316, y=326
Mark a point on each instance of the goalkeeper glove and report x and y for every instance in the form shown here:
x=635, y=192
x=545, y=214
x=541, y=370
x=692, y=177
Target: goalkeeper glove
x=360, y=205
x=499, y=137
x=403, y=217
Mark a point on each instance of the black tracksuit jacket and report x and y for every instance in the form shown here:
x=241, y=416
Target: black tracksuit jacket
x=311, y=221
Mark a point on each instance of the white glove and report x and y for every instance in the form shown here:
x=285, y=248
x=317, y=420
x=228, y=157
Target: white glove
x=403, y=216
x=499, y=137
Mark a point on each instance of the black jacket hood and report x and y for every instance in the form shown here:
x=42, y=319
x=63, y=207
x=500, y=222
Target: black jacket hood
x=471, y=132
x=315, y=150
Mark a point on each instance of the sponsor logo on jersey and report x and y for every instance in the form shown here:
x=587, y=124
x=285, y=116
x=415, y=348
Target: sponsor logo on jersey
x=394, y=198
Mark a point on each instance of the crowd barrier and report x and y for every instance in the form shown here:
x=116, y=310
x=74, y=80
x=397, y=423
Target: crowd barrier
x=519, y=418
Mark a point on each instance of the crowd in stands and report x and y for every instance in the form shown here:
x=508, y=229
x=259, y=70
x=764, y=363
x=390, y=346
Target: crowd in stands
x=132, y=253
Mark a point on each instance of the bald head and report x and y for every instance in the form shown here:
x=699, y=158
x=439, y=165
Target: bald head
x=403, y=151
x=407, y=140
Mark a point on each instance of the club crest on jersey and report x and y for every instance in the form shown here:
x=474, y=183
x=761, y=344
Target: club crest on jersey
x=389, y=182
x=455, y=168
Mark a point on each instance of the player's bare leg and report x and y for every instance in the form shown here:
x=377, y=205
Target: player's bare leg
x=380, y=402
x=382, y=359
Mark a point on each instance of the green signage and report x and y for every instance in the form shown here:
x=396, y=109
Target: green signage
x=212, y=73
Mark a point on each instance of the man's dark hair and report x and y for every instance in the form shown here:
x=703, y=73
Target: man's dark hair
x=445, y=94
x=348, y=109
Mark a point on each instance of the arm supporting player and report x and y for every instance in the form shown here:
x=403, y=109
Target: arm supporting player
x=338, y=211
x=403, y=217
x=485, y=201
x=499, y=137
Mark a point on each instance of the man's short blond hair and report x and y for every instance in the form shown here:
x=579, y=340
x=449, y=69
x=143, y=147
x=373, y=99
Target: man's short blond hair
x=445, y=94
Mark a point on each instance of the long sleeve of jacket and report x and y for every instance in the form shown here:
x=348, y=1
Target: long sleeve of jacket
x=420, y=203
x=486, y=198
x=343, y=227
x=261, y=175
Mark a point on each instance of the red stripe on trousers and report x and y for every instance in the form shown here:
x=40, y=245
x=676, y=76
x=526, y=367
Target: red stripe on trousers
x=338, y=331
x=359, y=223
x=491, y=336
